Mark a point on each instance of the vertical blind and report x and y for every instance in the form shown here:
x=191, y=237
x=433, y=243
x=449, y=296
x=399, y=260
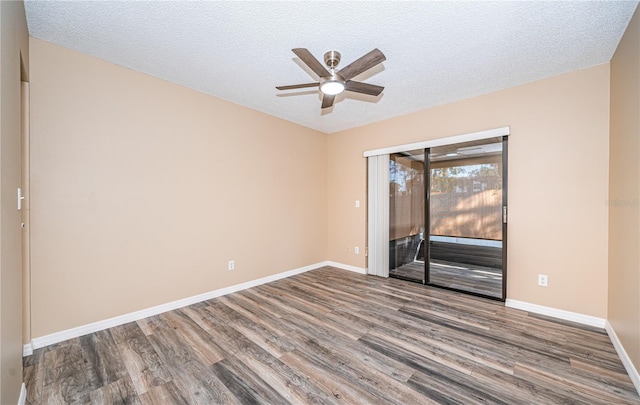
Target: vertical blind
x=378, y=212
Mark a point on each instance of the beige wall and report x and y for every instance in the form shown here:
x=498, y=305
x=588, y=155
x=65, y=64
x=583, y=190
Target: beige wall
x=558, y=182
x=624, y=192
x=142, y=191
x=14, y=42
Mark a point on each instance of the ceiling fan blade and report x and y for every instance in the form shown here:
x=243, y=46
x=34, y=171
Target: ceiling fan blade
x=363, y=64
x=297, y=86
x=327, y=100
x=311, y=61
x=364, y=88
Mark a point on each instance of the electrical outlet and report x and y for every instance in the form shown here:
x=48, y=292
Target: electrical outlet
x=232, y=265
x=356, y=250
x=542, y=280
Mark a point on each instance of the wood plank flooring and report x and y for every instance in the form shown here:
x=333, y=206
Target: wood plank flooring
x=461, y=276
x=330, y=336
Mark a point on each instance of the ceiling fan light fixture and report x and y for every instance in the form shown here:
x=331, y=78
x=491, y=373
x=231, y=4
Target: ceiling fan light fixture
x=332, y=87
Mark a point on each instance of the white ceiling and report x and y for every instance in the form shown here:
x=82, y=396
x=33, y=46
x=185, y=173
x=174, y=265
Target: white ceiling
x=437, y=52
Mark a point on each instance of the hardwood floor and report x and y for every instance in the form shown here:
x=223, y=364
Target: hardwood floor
x=461, y=276
x=335, y=337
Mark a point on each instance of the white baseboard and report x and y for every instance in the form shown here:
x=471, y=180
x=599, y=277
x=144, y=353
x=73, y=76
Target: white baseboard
x=27, y=349
x=556, y=313
x=23, y=395
x=355, y=269
x=43, y=341
x=624, y=357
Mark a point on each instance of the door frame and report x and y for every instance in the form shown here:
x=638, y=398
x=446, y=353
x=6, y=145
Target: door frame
x=26, y=211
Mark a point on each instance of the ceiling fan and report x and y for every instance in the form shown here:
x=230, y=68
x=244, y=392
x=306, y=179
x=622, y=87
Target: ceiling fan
x=331, y=82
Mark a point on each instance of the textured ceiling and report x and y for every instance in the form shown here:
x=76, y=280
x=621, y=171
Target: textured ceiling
x=437, y=52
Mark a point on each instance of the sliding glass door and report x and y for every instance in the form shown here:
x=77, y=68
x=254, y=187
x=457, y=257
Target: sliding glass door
x=466, y=203
x=447, y=216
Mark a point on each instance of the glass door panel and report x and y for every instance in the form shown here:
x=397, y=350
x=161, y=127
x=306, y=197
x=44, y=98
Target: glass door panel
x=407, y=215
x=465, y=215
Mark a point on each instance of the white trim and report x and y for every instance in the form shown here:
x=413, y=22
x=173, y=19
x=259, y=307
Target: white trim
x=57, y=337
x=22, y=399
x=27, y=349
x=557, y=313
x=473, y=136
x=355, y=269
x=624, y=357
